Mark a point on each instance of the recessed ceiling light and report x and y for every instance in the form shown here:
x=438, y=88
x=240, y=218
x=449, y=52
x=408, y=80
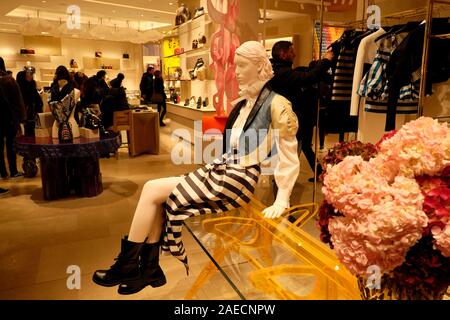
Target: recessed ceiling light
x=170, y=3
x=43, y=1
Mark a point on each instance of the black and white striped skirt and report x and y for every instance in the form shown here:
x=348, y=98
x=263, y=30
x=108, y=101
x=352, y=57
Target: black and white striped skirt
x=217, y=187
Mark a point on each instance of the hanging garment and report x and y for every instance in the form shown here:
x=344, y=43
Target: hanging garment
x=364, y=59
x=339, y=109
x=375, y=84
x=403, y=71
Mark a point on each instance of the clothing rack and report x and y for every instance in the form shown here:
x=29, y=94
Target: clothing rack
x=426, y=49
x=425, y=13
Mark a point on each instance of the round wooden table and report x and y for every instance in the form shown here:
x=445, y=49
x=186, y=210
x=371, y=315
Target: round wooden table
x=67, y=167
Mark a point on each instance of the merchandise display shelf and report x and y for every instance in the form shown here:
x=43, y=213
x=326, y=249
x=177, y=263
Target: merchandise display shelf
x=191, y=51
x=207, y=109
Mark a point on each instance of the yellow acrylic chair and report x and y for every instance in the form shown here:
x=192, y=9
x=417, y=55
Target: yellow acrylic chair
x=251, y=236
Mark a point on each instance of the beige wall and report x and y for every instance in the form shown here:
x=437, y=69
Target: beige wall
x=76, y=49
x=301, y=29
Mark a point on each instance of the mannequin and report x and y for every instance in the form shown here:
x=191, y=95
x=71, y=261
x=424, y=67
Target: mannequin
x=60, y=90
x=225, y=184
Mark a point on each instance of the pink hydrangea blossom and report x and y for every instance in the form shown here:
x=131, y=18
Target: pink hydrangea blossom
x=382, y=205
x=419, y=147
x=381, y=221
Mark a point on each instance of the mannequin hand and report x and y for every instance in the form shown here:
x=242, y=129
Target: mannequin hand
x=274, y=211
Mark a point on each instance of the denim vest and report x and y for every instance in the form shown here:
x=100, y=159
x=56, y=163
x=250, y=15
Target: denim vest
x=256, y=137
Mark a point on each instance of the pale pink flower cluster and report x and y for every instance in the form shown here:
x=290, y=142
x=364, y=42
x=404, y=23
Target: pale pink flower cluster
x=381, y=221
x=443, y=240
x=380, y=200
x=419, y=147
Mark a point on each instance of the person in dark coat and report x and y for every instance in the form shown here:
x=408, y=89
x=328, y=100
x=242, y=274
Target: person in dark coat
x=116, y=100
x=296, y=85
x=12, y=113
x=31, y=98
x=117, y=82
x=146, y=85
x=103, y=88
x=159, y=89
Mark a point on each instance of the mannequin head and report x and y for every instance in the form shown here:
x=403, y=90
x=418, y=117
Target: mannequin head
x=252, y=64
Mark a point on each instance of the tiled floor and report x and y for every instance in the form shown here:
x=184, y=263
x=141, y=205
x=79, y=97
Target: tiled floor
x=41, y=239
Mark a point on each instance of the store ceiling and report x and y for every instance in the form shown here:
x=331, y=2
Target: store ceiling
x=138, y=14
x=146, y=14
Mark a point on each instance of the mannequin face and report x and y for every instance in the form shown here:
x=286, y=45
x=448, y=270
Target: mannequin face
x=246, y=72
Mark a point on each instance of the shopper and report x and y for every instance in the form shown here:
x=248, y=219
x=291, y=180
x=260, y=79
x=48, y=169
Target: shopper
x=90, y=93
x=146, y=85
x=103, y=88
x=295, y=85
x=79, y=79
x=116, y=100
x=31, y=98
x=12, y=113
x=159, y=96
x=117, y=82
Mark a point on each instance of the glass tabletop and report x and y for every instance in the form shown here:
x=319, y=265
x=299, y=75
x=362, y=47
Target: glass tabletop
x=270, y=259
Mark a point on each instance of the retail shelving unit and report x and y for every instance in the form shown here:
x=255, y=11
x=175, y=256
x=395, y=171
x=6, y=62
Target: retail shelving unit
x=186, y=116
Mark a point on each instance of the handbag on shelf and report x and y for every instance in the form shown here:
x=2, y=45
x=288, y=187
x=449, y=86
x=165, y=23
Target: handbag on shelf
x=195, y=44
x=183, y=15
x=201, y=41
x=199, y=12
x=198, y=65
x=178, y=51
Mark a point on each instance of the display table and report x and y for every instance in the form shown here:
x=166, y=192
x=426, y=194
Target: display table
x=67, y=167
x=144, y=132
x=269, y=259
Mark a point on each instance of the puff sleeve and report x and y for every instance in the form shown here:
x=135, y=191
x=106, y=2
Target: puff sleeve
x=285, y=123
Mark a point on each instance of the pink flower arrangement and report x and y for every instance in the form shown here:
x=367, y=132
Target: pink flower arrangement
x=419, y=147
x=381, y=221
x=380, y=206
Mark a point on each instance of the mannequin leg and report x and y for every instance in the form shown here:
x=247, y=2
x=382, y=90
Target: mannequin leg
x=148, y=218
x=136, y=256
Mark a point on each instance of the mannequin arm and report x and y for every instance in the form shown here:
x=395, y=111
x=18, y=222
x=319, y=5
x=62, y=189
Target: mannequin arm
x=285, y=123
x=286, y=174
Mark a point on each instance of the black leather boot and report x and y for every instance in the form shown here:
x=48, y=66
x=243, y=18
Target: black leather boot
x=151, y=272
x=126, y=266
